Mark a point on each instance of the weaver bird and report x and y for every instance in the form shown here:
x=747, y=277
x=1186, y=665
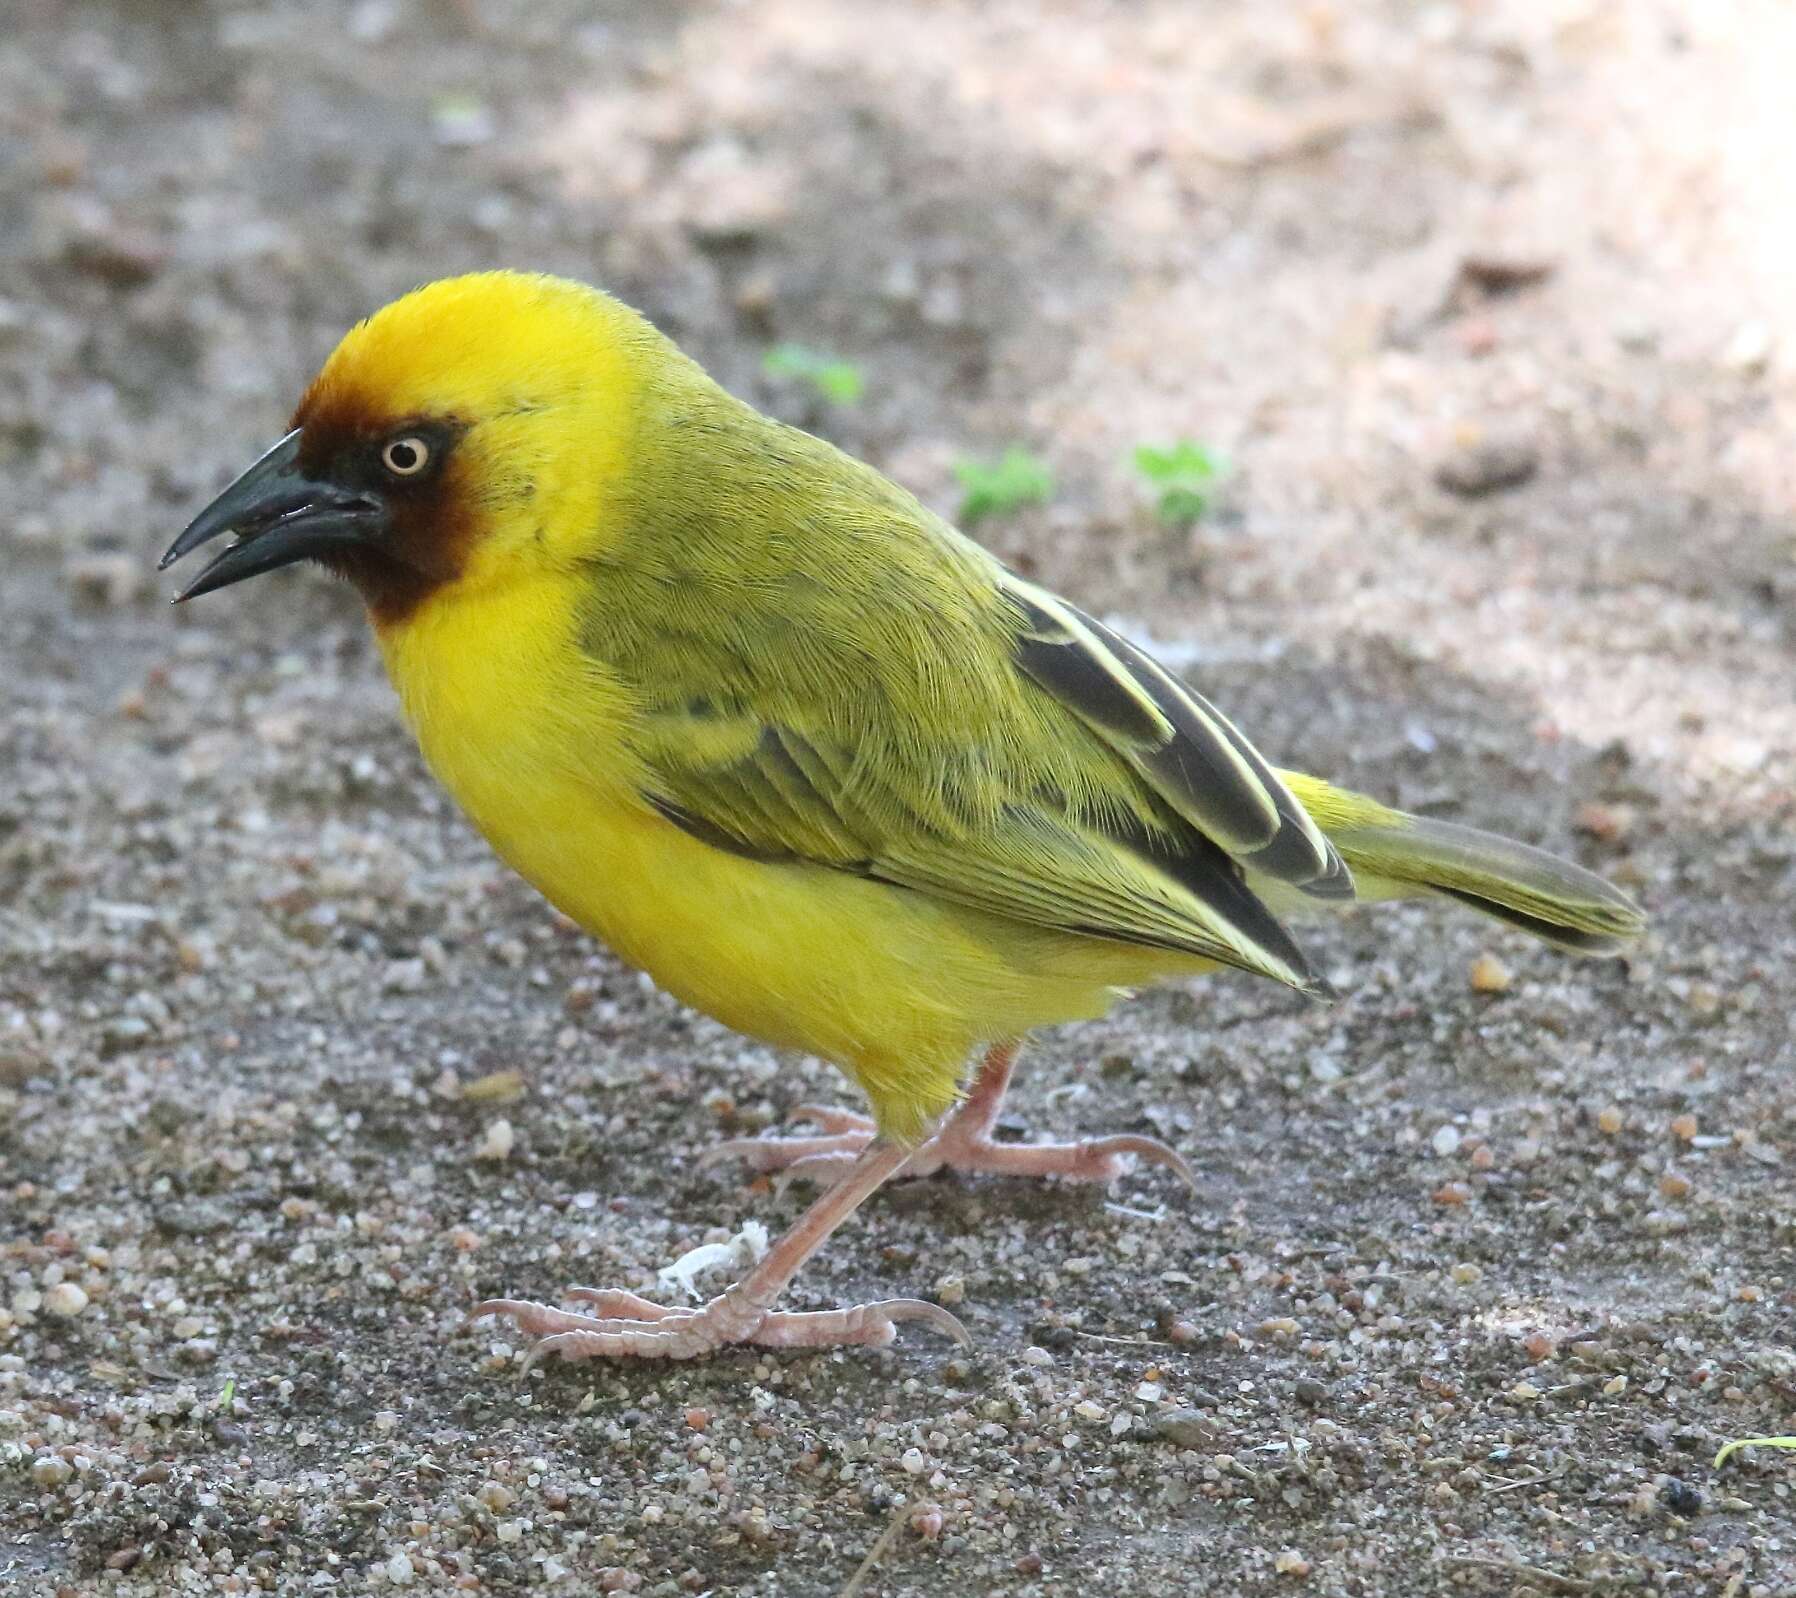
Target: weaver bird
x=788, y=742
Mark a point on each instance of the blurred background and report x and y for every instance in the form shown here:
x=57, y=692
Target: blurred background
x=1417, y=376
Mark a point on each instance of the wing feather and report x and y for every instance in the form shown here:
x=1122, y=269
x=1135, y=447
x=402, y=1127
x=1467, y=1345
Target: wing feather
x=1192, y=754
x=839, y=680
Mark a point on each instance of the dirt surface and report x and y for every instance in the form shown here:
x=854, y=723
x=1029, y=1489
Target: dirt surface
x=1488, y=303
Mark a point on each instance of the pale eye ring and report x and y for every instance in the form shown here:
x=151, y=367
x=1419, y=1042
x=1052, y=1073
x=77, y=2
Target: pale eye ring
x=406, y=456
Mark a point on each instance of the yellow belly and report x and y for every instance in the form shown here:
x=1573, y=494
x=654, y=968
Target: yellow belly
x=891, y=985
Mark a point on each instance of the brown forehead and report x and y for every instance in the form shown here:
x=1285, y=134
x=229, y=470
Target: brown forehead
x=335, y=420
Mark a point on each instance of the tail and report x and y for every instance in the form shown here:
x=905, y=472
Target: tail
x=1397, y=856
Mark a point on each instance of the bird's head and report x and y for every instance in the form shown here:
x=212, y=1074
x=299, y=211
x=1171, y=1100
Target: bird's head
x=465, y=435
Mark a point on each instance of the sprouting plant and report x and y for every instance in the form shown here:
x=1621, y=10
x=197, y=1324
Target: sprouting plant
x=838, y=381
x=228, y=1396
x=999, y=487
x=1752, y=1442
x=1181, y=477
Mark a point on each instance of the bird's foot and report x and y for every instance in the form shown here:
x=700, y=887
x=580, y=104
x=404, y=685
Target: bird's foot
x=1096, y=1159
x=964, y=1143
x=823, y=1157
x=624, y=1326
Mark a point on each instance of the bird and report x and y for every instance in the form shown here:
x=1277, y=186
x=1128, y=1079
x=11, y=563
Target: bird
x=786, y=740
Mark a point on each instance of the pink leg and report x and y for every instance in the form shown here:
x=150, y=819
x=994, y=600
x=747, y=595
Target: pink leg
x=627, y=1325
x=964, y=1142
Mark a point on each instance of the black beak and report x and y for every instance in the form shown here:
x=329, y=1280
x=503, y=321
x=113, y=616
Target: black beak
x=279, y=515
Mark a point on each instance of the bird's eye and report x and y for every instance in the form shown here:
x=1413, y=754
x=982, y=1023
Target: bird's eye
x=405, y=457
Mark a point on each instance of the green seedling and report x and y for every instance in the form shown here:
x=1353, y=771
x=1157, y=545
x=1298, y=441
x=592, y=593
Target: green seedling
x=1752, y=1442
x=835, y=380
x=1181, y=477
x=1001, y=487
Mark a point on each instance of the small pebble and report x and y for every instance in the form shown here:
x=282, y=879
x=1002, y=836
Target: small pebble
x=1188, y=1428
x=1446, y=1141
x=1479, y=465
x=65, y=1299
x=48, y=1471
x=497, y=1142
x=1490, y=975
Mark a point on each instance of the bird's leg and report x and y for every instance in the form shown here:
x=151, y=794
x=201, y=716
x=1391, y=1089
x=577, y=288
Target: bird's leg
x=626, y=1325
x=963, y=1143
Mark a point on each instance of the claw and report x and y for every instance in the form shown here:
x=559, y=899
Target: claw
x=1150, y=1149
x=831, y=1118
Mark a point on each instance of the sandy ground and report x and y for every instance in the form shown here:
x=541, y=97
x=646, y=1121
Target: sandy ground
x=291, y=1071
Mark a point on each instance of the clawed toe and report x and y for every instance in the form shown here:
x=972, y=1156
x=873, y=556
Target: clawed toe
x=841, y=1137
x=640, y=1329
x=866, y=1325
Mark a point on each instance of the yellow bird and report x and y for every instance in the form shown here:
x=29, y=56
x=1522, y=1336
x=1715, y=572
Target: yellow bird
x=788, y=742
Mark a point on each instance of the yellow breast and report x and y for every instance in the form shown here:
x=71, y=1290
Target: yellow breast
x=531, y=737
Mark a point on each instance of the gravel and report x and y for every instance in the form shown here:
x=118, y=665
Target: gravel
x=1489, y=1258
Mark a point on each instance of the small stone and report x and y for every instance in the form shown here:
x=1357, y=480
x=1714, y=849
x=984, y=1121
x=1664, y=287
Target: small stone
x=1615, y=1386
x=1490, y=975
x=497, y=1142
x=1187, y=1428
x=1291, y=1563
x=49, y=1472
x=399, y=1570
x=1684, y=1128
x=1538, y=1346
x=1310, y=1392
x=950, y=1290
x=698, y=1419
x=65, y=1299
x=1704, y=998
x=1452, y=1194
x=1608, y=1121
x=1605, y=823
x=1502, y=271
x=1466, y=1272
x=913, y=1462
x=1674, y=1185
x=497, y=1087
x=510, y=1531
x=1446, y=1141
x=1680, y=1497
x=1479, y=464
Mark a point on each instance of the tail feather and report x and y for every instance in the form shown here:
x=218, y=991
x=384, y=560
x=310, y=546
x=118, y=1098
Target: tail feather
x=1395, y=855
